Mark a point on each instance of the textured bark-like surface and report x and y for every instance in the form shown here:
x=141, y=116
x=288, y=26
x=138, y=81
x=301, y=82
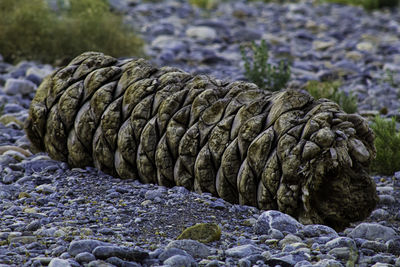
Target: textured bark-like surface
x=281, y=150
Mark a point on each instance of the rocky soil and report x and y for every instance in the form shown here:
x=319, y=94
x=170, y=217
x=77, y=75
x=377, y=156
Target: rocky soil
x=56, y=216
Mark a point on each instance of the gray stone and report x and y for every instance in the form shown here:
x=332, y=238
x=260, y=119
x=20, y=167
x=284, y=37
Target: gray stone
x=16, y=86
x=243, y=251
x=323, y=45
x=156, y=253
x=106, y=231
x=396, y=179
x=206, y=56
x=214, y=263
x=36, y=75
x=384, y=190
x=39, y=164
x=379, y=264
x=393, y=246
x=5, y=195
x=74, y=263
x=58, y=251
x=162, y=29
x=273, y=219
x=244, y=263
x=100, y=263
x=218, y=204
x=9, y=178
x=372, y=231
x=301, y=254
x=346, y=255
x=13, y=210
x=49, y=232
x=85, y=257
x=152, y=194
x=275, y=234
x=12, y=108
x=65, y=255
x=118, y=262
x=375, y=246
x=317, y=230
x=255, y=258
x=19, y=70
x=43, y=260
x=87, y=245
x=119, y=5
x=303, y=264
x=246, y=35
x=166, y=56
x=171, y=252
x=104, y=252
x=169, y=43
x=22, y=239
x=328, y=263
x=33, y=226
x=180, y=190
x=281, y=261
x=379, y=214
x=341, y=242
x=354, y=55
x=241, y=10
x=180, y=260
x=194, y=248
x=45, y=189
x=386, y=200
x=201, y=33
x=383, y=258
x=397, y=263
x=59, y=263
x=365, y=46
x=289, y=239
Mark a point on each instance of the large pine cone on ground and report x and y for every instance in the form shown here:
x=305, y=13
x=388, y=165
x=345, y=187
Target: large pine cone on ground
x=281, y=150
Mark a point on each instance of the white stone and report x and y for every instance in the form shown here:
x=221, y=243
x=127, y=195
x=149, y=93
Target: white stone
x=365, y=46
x=201, y=32
x=16, y=86
x=323, y=45
x=39, y=72
x=273, y=219
x=59, y=263
x=45, y=188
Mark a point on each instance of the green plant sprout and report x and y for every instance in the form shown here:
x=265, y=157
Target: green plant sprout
x=205, y=4
x=330, y=90
x=260, y=72
x=367, y=4
x=31, y=30
x=387, y=143
x=389, y=78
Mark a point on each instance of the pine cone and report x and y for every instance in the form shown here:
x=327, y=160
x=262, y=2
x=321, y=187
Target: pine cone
x=280, y=150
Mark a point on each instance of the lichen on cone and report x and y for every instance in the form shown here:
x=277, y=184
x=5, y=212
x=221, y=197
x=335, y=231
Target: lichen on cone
x=282, y=150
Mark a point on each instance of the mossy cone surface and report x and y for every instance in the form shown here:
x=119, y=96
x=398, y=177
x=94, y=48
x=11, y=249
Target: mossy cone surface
x=202, y=232
x=282, y=150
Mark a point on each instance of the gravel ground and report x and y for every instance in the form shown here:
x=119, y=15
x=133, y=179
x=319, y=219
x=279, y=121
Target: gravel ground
x=56, y=216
